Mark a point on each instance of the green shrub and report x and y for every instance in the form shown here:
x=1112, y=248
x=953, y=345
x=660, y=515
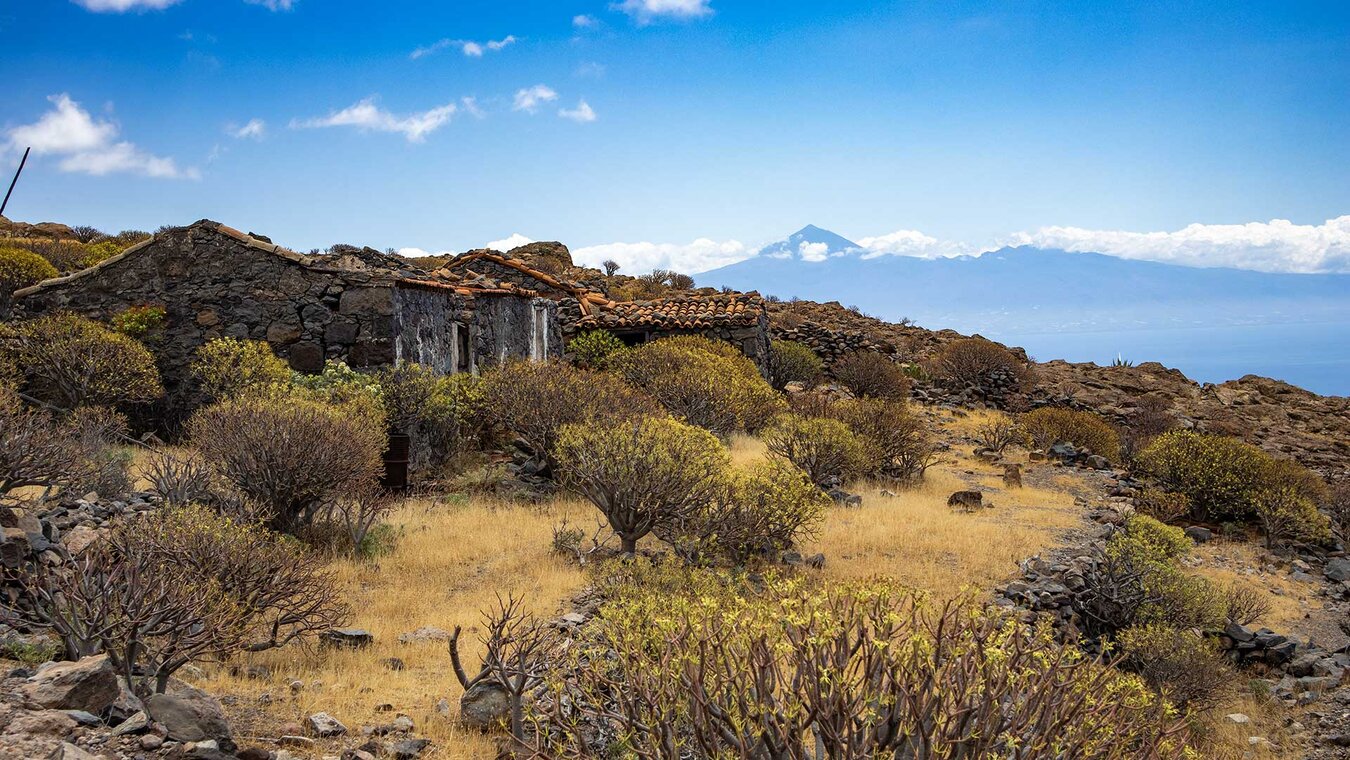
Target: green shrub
x=760, y=512
x=1223, y=477
x=1287, y=514
x=868, y=374
x=1161, y=505
x=533, y=400
x=139, y=321
x=642, y=475
x=1050, y=425
x=1138, y=580
x=20, y=268
x=790, y=361
x=288, y=453
x=228, y=367
x=95, y=253
x=826, y=450
x=594, y=349
x=69, y=361
x=1189, y=670
x=703, y=382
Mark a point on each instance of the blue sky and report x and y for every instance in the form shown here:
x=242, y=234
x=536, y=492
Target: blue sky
x=688, y=132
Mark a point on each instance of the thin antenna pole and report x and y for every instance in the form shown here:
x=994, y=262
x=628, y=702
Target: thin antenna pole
x=14, y=181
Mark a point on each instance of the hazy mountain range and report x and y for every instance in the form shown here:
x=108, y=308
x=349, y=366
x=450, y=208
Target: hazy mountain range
x=1015, y=294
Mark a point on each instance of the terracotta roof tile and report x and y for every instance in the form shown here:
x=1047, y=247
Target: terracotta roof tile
x=679, y=312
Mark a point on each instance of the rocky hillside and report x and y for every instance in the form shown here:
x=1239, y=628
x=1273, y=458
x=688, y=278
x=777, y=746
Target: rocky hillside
x=1274, y=415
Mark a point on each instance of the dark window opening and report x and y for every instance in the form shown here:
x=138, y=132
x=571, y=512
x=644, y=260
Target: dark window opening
x=632, y=338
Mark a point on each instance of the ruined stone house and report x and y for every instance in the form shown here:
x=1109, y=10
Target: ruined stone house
x=366, y=309
x=738, y=318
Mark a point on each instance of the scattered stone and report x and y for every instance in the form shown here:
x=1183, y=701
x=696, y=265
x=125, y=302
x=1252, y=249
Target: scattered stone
x=844, y=498
x=406, y=749
x=68, y=751
x=189, y=714
x=254, y=753
x=1237, y=718
x=303, y=742
x=84, y=718
x=133, y=725
x=151, y=742
x=348, y=638
x=1338, y=570
x=393, y=663
x=424, y=634
x=324, y=725
x=1012, y=476
x=966, y=501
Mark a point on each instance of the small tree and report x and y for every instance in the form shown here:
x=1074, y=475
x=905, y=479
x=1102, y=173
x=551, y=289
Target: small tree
x=288, y=453
x=70, y=361
x=642, y=474
x=611, y=267
x=515, y=660
x=999, y=431
x=790, y=361
x=228, y=367
x=1287, y=514
x=868, y=374
x=826, y=450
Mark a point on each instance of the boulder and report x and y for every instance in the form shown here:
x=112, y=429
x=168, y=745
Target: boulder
x=68, y=751
x=1199, y=535
x=424, y=634
x=189, y=714
x=1338, y=570
x=89, y=684
x=966, y=500
x=324, y=725
x=484, y=705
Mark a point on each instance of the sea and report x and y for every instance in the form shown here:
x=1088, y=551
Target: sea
x=1315, y=356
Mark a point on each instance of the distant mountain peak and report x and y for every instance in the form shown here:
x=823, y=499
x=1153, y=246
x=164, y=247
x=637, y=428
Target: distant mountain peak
x=811, y=243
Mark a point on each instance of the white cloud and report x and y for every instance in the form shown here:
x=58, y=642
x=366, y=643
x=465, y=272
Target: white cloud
x=471, y=107
x=529, y=98
x=515, y=241
x=912, y=243
x=123, y=6
x=583, y=21
x=368, y=117
x=814, y=251
x=255, y=129
x=647, y=11
x=468, y=47
x=582, y=114
x=89, y=146
x=699, y=256
x=274, y=5
x=1275, y=246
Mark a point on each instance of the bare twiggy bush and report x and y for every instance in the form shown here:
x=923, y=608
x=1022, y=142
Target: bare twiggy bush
x=36, y=449
x=859, y=671
x=981, y=364
x=1338, y=508
x=179, y=586
x=515, y=661
x=533, y=400
x=180, y=478
x=898, y=443
x=998, y=432
x=1164, y=506
x=289, y=454
x=576, y=543
x=1245, y=604
x=359, y=512
x=642, y=474
x=868, y=374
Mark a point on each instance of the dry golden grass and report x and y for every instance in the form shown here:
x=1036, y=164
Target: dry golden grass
x=450, y=563
x=1290, y=600
x=916, y=538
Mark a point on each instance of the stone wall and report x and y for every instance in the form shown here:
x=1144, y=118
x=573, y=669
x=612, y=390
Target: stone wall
x=213, y=282
x=430, y=328
x=831, y=345
x=508, y=327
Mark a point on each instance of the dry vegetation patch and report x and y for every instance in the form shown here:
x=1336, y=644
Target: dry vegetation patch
x=451, y=561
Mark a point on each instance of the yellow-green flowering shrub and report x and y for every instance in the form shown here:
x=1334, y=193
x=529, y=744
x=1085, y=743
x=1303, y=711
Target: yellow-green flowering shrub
x=826, y=450
x=594, y=349
x=228, y=367
x=697, y=663
x=70, y=361
x=644, y=474
x=790, y=361
x=20, y=268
